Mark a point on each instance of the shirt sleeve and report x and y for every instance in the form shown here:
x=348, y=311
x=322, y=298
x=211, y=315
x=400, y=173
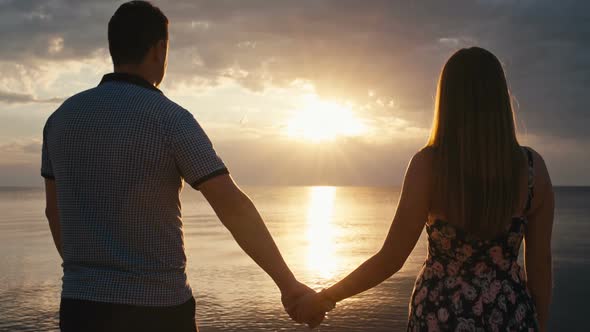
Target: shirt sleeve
x=46, y=166
x=194, y=155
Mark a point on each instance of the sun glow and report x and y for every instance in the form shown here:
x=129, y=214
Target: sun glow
x=320, y=231
x=322, y=120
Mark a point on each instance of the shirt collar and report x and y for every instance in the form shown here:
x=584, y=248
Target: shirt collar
x=128, y=78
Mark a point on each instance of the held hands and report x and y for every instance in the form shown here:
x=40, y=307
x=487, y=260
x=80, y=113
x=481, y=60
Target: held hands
x=291, y=298
x=311, y=306
x=304, y=305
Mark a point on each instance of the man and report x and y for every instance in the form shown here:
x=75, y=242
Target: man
x=114, y=159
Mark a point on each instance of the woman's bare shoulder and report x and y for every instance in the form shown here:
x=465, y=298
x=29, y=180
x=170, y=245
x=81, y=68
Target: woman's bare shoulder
x=540, y=168
x=543, y=188
x=426, y=154
x=420, y=166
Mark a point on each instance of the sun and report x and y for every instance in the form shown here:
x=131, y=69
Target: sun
x=319, y=120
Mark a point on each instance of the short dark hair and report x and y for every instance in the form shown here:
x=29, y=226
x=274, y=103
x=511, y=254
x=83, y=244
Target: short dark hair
x=134, y=28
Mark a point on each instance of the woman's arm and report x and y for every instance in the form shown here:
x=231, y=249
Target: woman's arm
x=407, y=225
x=537, y=244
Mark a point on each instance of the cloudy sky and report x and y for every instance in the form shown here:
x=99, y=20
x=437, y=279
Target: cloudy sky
x=308, y=91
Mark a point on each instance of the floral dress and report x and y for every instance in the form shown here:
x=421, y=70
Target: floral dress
x=468, y=284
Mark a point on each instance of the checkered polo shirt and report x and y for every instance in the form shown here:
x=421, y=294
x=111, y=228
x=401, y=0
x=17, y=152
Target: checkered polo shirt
x=118, y=154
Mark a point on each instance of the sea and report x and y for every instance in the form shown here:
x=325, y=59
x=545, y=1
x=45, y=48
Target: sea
x=323, y=233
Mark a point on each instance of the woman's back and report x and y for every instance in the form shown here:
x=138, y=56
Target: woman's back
x=469, y=282
x=473, y=187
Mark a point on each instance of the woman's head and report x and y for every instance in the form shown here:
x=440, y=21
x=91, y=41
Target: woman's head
x=472, y=96
x=474, y=138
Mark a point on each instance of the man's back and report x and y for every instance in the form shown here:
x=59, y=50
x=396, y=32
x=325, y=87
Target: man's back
x=114, y=158
x=118, y=153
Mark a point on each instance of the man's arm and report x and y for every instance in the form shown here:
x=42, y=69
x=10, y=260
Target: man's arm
x=201, y=167
x=52, y=213
x=239, y=215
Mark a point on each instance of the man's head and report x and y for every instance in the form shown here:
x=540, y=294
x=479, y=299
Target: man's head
x=138, y=40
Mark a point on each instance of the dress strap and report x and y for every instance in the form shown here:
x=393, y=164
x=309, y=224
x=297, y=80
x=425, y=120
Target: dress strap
x=531, y=180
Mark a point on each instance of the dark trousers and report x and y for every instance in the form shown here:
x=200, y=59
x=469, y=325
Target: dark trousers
x=90, y=316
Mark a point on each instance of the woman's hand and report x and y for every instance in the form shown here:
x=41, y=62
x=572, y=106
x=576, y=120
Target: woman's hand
x=311, y=309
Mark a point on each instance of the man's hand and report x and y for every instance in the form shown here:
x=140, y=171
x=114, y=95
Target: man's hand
x=311, y=309
x=292, y=299
x=239, y=215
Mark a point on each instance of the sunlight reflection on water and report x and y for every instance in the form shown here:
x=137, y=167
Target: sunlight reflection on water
x=320, y=231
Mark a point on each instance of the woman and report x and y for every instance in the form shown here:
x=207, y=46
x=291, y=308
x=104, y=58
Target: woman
x=478, y=193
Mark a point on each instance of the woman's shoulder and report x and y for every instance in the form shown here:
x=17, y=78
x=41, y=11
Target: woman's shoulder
x=542, y=185
x=426, y=154
x=421, y=164
x=536, y=155
x=422, y=160
x=539, y=165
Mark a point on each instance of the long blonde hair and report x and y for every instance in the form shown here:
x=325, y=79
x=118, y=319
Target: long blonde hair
x=477, y=155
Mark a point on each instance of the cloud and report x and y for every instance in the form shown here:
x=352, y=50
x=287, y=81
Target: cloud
x=343, y=47
x=23, y=98
x=30, y=146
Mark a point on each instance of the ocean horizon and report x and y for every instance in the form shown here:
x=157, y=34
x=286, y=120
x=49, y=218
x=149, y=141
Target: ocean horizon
x=323, y=232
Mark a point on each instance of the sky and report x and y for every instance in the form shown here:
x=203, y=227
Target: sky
x=308, y=92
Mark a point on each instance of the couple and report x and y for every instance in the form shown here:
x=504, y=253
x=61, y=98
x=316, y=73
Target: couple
x=115, y=157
